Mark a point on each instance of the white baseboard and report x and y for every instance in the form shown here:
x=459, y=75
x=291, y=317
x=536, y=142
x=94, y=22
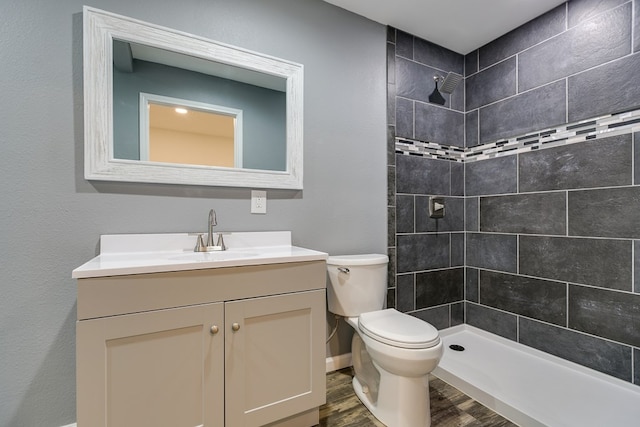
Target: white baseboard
x=71, y=425
x=335, y=363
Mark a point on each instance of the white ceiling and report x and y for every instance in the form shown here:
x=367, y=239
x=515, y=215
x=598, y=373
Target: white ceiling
x=459, y=25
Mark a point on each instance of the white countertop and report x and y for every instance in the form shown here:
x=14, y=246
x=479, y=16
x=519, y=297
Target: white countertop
x=155, y=253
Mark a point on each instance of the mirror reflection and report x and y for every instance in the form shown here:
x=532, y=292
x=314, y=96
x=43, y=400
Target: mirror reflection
x=179, y=131
x=175, y=79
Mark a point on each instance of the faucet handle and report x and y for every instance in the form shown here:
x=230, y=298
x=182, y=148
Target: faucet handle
x=200, y=247
x=220, y=242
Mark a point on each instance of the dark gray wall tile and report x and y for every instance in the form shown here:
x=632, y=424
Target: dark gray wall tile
x=456, y=99
x=636, y=154
x=438, y=317
x=526, y=296
x=391, y=63
x=525, y=36
x=391, y=105
x=636, y=31
x=636, y=366
x=391, y=34
x=391, y=226
x=492, y=251
x=437, y=56
x=600, y=163
x=406, y=294
x=610, y=88
x=391, y=298
x=440, y=125
x=471, y=214
x=417, y=252
x=404, y=118
x=391, y=268
x=419, y=175
x=457, y=179
x=457, y=313
x=453, y=219
x=457, y=249
x=536, y=213
x=597, y=262
x=611, y=212
x=439, y=287
x=588, y=48
x=391, y=187
x=471, y=63
x=582, y=10
x=493, y=176
x=608, y=314
x=491, y=84
x=405, y=214
x=604, y=356
x=534, y=110
x=636, y=267
x=404, y=44
x=472, y=284
x=391, y=143
x=415, y=81
x=471, y=129
x=494, y=321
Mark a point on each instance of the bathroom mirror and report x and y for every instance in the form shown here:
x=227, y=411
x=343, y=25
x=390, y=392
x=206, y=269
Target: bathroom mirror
x=131, y=67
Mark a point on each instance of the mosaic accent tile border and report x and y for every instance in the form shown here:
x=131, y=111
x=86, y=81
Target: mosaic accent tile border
x=585, y=130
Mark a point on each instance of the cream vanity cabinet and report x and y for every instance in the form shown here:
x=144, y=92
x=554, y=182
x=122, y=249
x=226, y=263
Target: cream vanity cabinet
x=232, y=346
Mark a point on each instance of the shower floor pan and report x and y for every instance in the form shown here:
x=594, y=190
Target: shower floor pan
x=533, y=388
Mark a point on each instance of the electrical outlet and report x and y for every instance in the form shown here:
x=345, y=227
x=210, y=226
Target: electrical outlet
x=258, y=202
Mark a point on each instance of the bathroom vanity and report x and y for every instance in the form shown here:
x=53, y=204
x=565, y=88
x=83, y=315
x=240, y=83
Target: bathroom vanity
x=171, y=337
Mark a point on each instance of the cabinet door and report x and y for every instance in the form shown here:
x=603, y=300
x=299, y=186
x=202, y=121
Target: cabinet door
x=274, y=357
x=158, y=368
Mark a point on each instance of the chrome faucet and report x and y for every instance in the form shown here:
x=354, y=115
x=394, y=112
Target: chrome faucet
x=209, y=247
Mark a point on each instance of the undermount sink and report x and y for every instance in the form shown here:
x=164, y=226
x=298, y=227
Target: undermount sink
x=213, y=256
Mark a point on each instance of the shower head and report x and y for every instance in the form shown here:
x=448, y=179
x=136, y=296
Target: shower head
x=450, y=83
x=436, y=96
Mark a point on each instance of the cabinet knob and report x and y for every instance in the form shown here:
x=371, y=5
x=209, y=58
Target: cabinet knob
x=235, y=327
x=214, y=329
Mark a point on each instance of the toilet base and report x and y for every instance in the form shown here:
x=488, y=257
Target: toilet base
x=402, y=401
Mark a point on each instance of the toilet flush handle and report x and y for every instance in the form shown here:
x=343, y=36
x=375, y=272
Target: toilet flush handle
x=344, y=270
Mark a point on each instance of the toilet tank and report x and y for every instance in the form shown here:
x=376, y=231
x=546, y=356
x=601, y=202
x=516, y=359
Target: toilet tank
x=357, y=283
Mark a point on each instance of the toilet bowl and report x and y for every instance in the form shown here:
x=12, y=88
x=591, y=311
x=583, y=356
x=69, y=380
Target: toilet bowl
x=392, y=352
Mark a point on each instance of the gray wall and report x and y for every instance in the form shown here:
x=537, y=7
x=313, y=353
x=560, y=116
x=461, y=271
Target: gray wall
x=551, y=236
x=52, y=218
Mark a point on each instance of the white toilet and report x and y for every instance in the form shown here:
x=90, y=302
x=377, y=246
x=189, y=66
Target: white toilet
x=392, y=352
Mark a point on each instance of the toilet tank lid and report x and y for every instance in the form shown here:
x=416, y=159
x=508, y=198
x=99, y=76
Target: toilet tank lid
x=363, y=259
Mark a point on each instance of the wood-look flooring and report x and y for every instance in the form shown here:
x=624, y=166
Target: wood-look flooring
x=449, y=406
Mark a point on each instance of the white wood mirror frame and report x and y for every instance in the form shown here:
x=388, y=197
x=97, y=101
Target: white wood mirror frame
x=100, y=28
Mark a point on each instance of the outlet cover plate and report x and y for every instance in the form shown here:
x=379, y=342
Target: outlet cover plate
x=258, y=202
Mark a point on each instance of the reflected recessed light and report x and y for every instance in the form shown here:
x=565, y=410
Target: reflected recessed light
x=181, y=110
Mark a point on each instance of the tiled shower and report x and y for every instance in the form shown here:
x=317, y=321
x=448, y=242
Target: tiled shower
x=540, y=245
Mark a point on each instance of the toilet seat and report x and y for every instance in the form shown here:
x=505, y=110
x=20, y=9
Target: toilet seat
x=398, y=329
